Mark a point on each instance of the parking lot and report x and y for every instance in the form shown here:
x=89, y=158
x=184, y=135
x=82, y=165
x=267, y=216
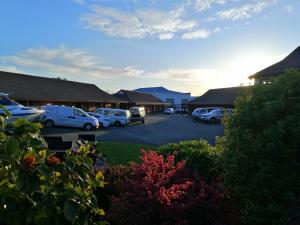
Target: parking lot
x=158, y=129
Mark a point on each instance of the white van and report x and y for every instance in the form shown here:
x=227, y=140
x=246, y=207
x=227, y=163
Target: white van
x=117, y=117
x=67, y=116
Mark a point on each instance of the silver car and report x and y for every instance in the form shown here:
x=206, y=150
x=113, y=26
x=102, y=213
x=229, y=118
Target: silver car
x=215, y=116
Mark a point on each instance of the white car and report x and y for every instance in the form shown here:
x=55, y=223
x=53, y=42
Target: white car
x=169, y=111
x=103, y=121
x=117, y=117
x=199, y=111
x=215, y=116
x=67, y=116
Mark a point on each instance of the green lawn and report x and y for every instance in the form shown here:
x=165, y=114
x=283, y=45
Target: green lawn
x=122, y=153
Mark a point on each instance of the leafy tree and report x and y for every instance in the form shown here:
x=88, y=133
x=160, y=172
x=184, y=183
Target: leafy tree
x=37, y=188
x=262, y=152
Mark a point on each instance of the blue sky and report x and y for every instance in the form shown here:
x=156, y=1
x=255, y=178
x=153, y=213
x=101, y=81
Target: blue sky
x=184, y=45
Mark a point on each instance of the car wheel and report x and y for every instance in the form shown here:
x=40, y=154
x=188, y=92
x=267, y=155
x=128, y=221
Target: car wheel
x=48, y=123
x=118, y=124
x=213, y=120
x=88, y=127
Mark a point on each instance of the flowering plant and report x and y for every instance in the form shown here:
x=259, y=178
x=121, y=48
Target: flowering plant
x=36, y=187
x=160, y=191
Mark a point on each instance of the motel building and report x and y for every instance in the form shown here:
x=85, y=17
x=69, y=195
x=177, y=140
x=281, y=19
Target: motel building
x=36, y=91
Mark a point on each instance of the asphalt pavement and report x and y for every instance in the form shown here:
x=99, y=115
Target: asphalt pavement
x=158, y=129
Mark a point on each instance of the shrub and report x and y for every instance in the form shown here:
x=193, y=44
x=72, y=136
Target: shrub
x=262, y=153
x=198, y=154
x=38, y=188
x=159, y=191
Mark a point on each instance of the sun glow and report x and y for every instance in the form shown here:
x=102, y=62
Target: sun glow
x=240, y=69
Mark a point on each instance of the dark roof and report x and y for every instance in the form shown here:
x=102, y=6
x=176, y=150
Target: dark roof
x=219, y=97
x=158, y=89
x=292, y=61
x=34, y=88
x=138, y=98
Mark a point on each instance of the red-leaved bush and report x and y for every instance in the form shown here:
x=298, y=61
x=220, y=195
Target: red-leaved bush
x=158, y=191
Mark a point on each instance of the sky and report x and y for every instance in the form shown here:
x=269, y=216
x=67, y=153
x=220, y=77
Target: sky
x=183, y=45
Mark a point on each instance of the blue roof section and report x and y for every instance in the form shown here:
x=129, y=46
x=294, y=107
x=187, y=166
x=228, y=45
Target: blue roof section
x=158, y=89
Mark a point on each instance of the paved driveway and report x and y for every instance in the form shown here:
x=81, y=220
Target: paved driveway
x=159, y=129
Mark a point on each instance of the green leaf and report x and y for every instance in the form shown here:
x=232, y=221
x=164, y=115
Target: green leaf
x=2, y=136
x=34, y=142
x=11, y=146
x=70, y=211
x=100, y=212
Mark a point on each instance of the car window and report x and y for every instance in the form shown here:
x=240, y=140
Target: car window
x=78, y=112
x=5, y=101
x=94, y=115
x=119, y=113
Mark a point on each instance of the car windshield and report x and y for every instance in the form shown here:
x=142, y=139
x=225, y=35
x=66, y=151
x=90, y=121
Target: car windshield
x=79, y=112
x=5, y=101
x=94, y=115
x=215, y=111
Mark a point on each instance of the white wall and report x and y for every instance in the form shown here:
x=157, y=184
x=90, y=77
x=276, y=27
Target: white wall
x=178, y=97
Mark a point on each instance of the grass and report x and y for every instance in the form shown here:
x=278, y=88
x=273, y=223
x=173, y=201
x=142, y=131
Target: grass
x=122, y=153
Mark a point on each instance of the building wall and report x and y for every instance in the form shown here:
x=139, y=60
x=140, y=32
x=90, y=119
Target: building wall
x=86, y=106
x=149, y=108
x=176, y=99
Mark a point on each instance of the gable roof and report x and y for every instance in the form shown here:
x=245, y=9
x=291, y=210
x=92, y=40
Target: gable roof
x=292, y=61
x=34, y=88
x=138, y=98
x=158, y=89
x=219, y=97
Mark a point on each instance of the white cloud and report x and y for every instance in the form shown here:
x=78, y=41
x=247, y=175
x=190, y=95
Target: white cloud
x=289, y=8
x=138, y=24
x=80, y=64
x=245, y=11
x=202, y=33
x=201, y=5
x=165, y=36
x=64, y=61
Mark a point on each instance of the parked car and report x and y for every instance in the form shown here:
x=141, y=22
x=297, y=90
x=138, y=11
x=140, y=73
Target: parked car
x=117, y=117
x=216, y=115
x=103, y=121
x=137, y=114
x=67, y=116
x=169, y=111
x=199, y=111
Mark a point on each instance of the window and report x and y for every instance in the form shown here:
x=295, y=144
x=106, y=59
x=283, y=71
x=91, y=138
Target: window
x=78, y=112
x=170, y=100
x=107, y=113
x=183, y=101
x=119, y=113
x=5, y=101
